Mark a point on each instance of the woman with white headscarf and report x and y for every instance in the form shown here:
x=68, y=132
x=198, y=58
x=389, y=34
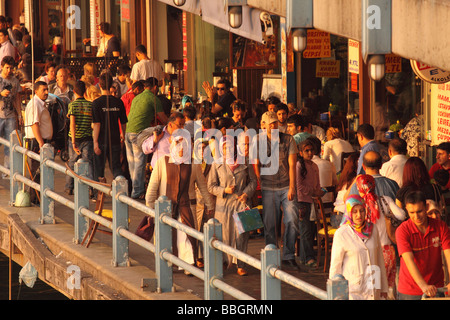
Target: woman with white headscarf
x=233, y=182
x=357, y=254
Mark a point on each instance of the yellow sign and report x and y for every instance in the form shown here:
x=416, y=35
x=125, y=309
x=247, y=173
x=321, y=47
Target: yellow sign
x=440, y=113
x=353, y=56
x=317, y=45
x=328, y=68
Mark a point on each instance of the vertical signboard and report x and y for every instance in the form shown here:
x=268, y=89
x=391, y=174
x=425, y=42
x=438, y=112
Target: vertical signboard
x=125, y=10
x=353, y=56
x=94, y=9
x=440, y=113
x=283, y=60
x=184, y=29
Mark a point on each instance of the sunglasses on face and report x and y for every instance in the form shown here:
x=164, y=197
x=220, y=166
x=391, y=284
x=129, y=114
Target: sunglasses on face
x=221, y=89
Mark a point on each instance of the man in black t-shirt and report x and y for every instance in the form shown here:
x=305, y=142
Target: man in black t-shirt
x=224, y=98
x=107, y=112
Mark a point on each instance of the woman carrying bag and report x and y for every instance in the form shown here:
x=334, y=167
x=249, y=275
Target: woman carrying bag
x=233, y=182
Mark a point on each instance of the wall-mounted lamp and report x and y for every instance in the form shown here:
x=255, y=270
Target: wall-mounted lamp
x=235, y=16
x=179, y=3
x=235, y=8
x=376, y=35
x=376, y=67
x=299, y=39
x=299, y=17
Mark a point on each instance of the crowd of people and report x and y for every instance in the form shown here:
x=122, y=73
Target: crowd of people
x=382, y=212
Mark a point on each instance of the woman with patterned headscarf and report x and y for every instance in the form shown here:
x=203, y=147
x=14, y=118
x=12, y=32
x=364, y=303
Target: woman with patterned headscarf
x=378, y=209
x=356, y=254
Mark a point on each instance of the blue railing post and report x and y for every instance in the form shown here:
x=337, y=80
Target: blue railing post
x=120, y=220
x=15, y=166
x=163, y=243
x=270, y=286
x=213, y=259
x=47, y=182
x=337, y=288
x=81, y=200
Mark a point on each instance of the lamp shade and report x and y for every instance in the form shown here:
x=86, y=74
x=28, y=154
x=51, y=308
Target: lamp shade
x=235, y=16
x=179, y=3
x=298, y=40
x=376, y=67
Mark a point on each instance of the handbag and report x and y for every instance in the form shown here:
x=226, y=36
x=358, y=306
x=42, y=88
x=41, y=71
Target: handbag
x=145, y=228
x=248, y=220
x=392, y=222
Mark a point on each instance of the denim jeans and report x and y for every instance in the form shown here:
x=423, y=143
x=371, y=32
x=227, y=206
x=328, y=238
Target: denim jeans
x=402, y=296
x=7, y=126
x=87, y=154
x=306, y=227
x=272, y=201
x=136, y=164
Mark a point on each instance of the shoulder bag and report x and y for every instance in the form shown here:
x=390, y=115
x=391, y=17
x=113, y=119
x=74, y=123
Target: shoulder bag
x=392, y=222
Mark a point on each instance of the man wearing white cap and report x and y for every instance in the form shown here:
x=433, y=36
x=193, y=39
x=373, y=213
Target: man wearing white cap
x=277, y=186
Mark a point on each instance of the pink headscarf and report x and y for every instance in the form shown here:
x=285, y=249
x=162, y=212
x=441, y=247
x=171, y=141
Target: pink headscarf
x=366, y=188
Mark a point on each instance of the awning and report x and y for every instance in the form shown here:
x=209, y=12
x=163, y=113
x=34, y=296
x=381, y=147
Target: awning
x=215, y=12
x=191, y=6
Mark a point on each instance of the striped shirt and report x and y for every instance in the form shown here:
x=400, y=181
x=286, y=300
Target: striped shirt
x=81, y=109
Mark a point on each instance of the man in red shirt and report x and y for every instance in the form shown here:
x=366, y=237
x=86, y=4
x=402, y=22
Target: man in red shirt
x=442, y=160
x=420, y=241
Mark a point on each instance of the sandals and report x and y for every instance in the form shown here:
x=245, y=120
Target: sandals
x=311, y=264
x=242, y=272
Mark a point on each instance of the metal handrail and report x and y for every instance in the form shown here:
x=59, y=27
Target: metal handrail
x=119, y=195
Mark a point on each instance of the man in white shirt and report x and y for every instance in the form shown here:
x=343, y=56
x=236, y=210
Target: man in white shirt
x=146, y=67
x=393, y=169
x=6, y=47
x=327, y=171
x=38, y=126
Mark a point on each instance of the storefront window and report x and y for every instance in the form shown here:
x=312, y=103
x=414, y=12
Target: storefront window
x=325, y=81
x=212, y=52
x=397, y=102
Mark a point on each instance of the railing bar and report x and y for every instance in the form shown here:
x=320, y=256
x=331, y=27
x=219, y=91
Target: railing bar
x=183, y=264
x=225, y=287
x=298, y=283
x=237, y=254
x=28, y=153
x=5, y=170
x=137, y=240
x=4, y=142
x=93, y=216
x=137, y=205
x=58, y=167
x=182, y=227
x=59, y=198
x=106, y=190
x=20, y=178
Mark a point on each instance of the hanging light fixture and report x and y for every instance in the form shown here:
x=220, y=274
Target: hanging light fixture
x=179, y=3
x=299, y=18
x=235, y=16
x=298, y=39
x=376, y=40
x=376, y=67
